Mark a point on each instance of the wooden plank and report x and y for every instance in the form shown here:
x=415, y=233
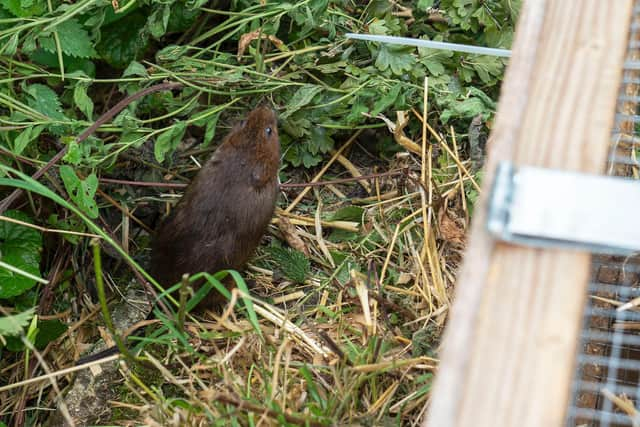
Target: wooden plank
x=509, y=349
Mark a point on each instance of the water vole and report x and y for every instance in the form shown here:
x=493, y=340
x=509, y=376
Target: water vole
x=225, y=210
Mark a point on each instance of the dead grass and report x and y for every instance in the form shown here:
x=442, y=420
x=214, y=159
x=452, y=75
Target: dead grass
x=354, y=344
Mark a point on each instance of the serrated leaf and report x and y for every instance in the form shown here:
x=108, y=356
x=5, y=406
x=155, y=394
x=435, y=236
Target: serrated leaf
x=124, y=40
x=159, y=20
x=386, y=101
x=183, y=16
x=44, y=100
x=168, y=141
x=74, y=40
x=20, y=247
x=434, y=59
x=82, y=100
x=171, y=53
x=398, y=58
x=82, y=192
x=302, y=97
x=487, y=67
x=320, y=140
x=24, y=10
x=14, y=325
x=466, y=108
x=293, y=264
x=135, y=69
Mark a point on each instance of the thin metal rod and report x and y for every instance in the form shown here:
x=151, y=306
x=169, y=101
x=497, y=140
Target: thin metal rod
x=408, y=41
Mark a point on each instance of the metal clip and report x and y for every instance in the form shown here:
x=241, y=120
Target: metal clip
x=550, y=208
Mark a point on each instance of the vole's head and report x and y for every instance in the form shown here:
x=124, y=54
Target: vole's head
x=257, y=139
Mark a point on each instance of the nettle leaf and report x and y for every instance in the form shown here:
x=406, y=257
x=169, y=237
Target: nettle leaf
x=44, y=100
x=82, y=100
x=14, y=325
x=159, y=20
x=293, y=264
x=182, y=17
x=302, y=97
x=135, y=69
x=168, y=140
x=124, y=40
x=74, y=40
x=20, y=247
x=25, y=8
x=26, y=136
x=173, y=53
x=82, y=192
x=398, y=58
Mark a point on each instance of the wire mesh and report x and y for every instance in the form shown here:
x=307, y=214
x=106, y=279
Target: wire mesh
x=606, y=387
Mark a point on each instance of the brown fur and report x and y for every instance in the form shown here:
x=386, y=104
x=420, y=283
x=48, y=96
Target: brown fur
x=225, y=210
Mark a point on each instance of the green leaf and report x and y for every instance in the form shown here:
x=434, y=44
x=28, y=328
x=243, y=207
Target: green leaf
x=434, y=59
x=159, y=20
x=168, y=141
x=348, y=213
x=293, y=264
x=302, y=97
x=20, y=247
x=124, y=40
x=82, y=192
x=171, y=53
x=11, y=47
x=45, y=101
x=397, y=58
x=25, y=137
x=467, y=108
x=320, y=141
x=25, y=8
x=48, y=330
x=210, y=130
x=386, y=101
x=425, y=4
x=74, y=40
x=14, y=325
x=135, y=69
x=182, y=17
x=82, y=100
x=74, y=153
x=488, y=68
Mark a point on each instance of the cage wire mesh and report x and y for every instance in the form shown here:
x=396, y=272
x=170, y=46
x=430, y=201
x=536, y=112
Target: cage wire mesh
x=606, y=387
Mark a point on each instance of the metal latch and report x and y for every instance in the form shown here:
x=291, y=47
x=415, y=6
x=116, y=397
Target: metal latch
x=550, y=208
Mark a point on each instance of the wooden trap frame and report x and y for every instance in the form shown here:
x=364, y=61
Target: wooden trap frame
x=540, y=335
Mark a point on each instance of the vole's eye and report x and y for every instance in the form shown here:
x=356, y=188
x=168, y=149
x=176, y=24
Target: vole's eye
x=242, y=123
x=268, y=131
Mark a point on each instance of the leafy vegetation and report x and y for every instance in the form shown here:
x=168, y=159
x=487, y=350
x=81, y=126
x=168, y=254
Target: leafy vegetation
x=362, y=267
